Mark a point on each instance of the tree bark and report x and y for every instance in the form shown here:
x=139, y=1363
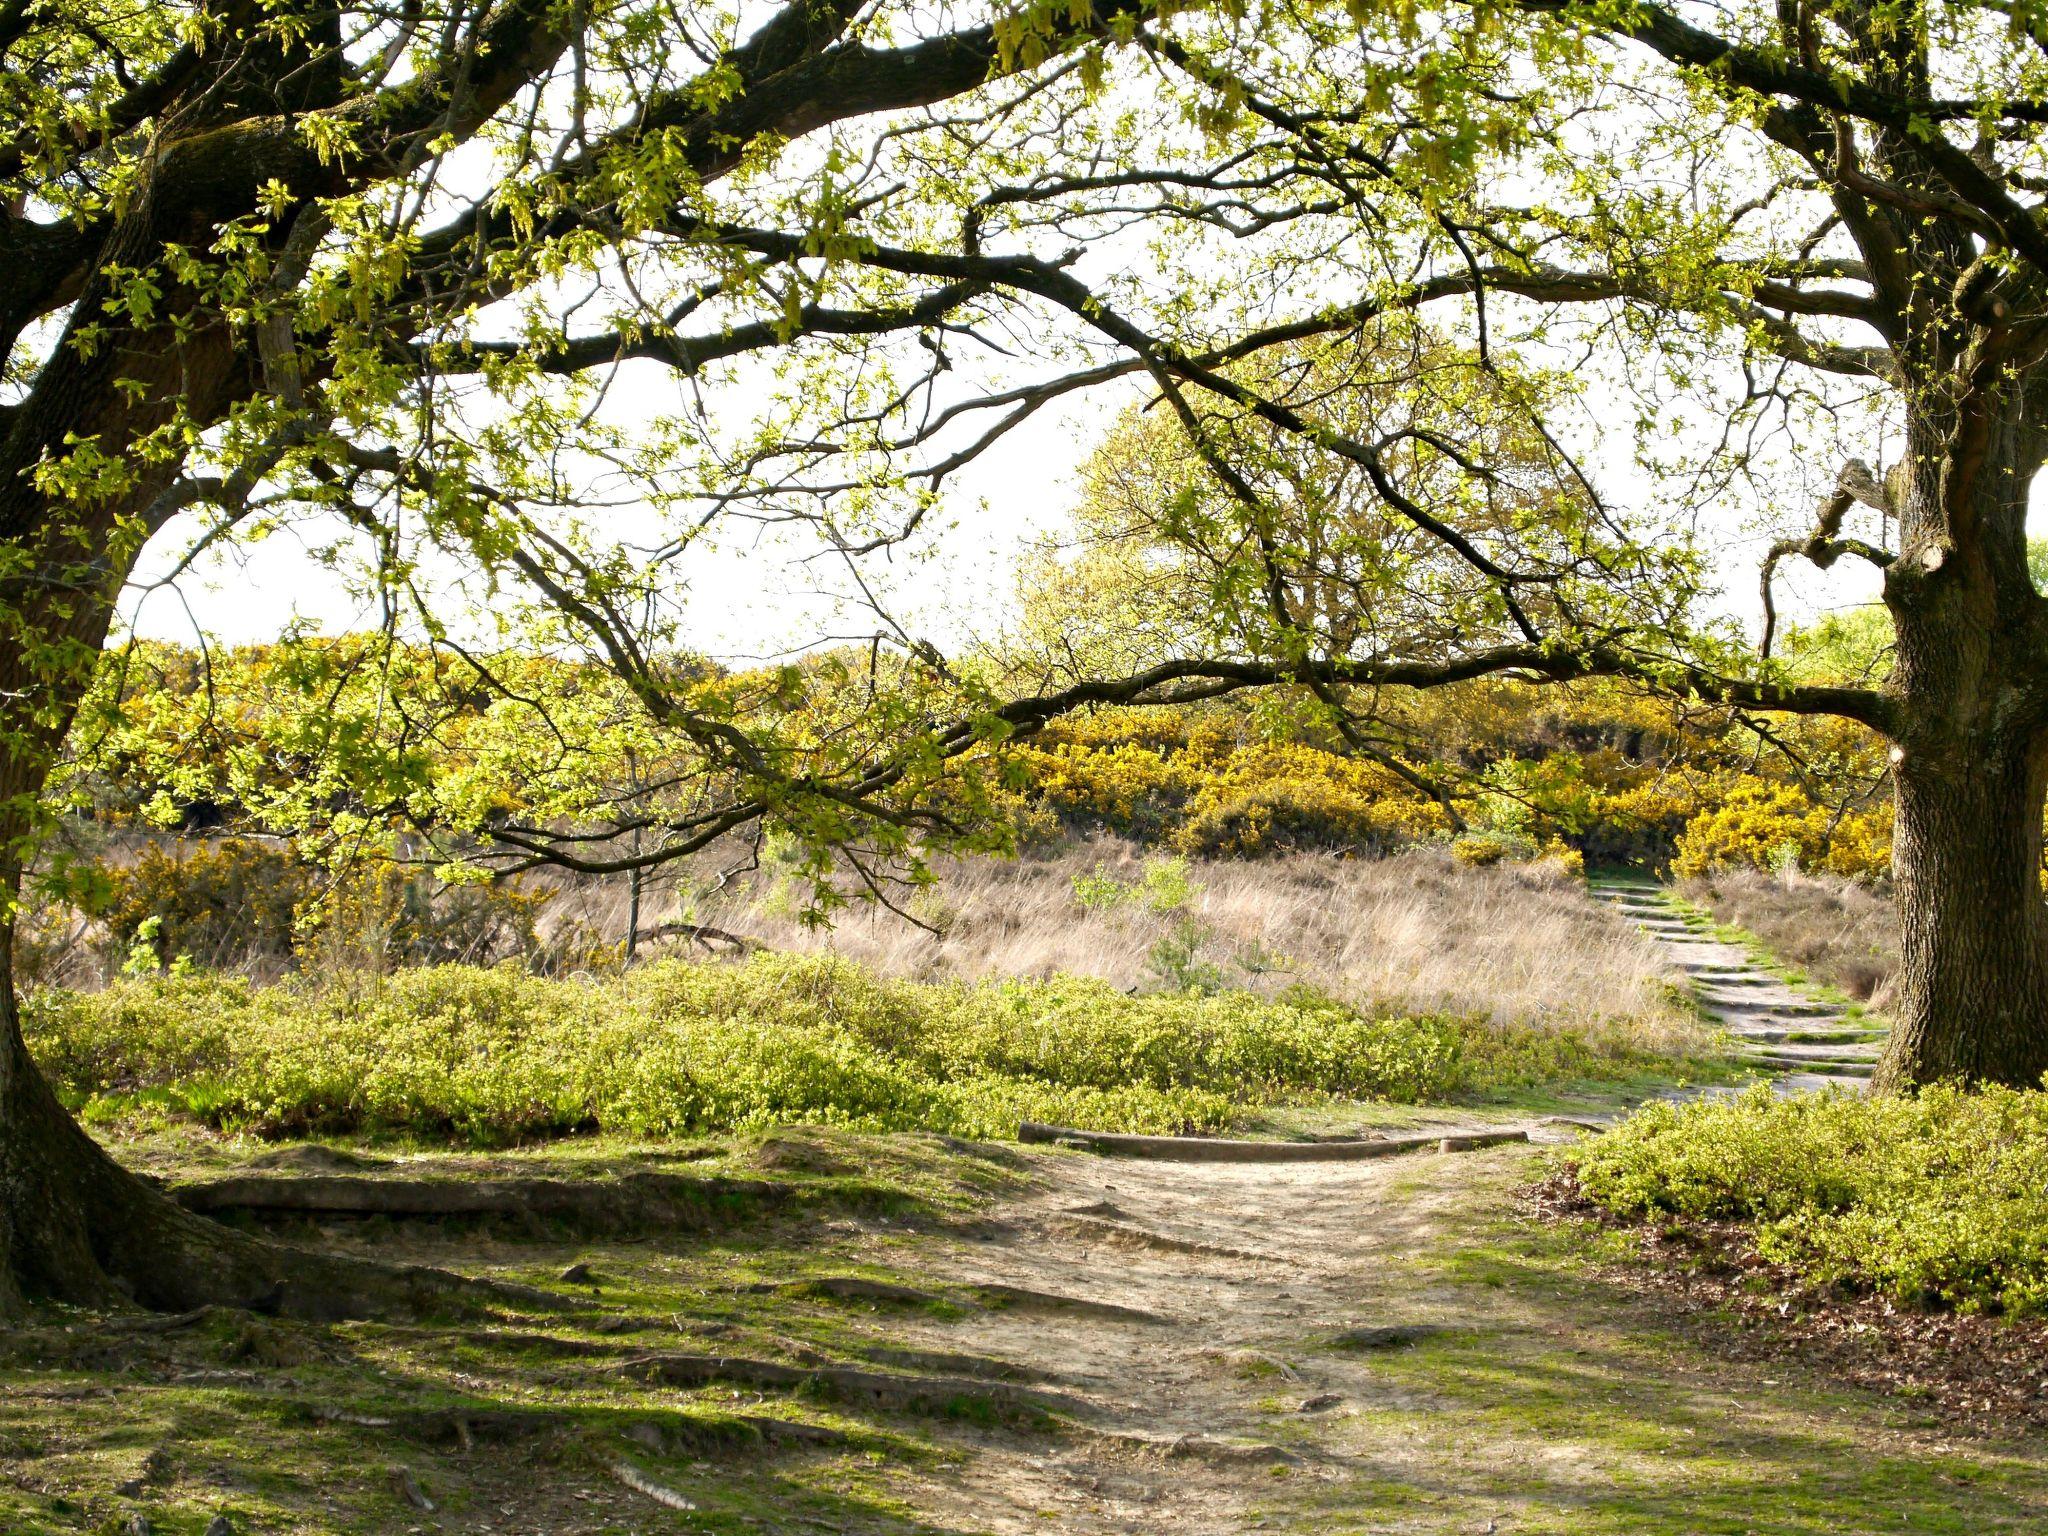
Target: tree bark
x=77, y=1227
x=1972, y=1000
x=1970, y=752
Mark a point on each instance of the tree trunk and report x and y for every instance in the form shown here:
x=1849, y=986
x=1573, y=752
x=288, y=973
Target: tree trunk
x=77, y=1227
x=1970, y=754
x=1972, y=999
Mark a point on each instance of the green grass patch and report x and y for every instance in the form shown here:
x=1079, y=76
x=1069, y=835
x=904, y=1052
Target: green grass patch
x=1938, y=1198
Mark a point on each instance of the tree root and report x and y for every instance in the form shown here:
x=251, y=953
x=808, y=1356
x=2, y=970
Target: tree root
x=856, y=1288
x=927, y=1394
x=77, y=1227
x=1215, y=1149
x=633, y=1202
x=1387, y=1336
x=1024, y=1299
x=466, y=1428
x=1123, y=1233
x=953, y=1362
x=1198, y=1447
x=641, y=1483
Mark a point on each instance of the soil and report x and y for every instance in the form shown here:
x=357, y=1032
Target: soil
x=996, y=1340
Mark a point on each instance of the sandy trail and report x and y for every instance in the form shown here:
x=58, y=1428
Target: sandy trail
x=1242, y=1392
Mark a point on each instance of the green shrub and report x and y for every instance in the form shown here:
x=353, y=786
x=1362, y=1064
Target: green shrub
x=498, y=1055
x=1939, y=1198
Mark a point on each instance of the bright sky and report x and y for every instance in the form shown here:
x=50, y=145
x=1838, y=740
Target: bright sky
x=753, y=598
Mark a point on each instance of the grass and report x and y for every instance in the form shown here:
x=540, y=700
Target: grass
x=1835, y=932
x=293, y=1426
x=1415, y=932
x=494, y=1056
x=1939, y=1198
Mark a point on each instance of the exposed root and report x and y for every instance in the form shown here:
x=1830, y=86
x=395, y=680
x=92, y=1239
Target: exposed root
x=312, y=1157
x=1386, y=1336
x=1126, y=1235
x=77, y=1227
x=407, y=1488
x=466, y=1428
x=1024, y=1299
x=953, y=1362
x=858, y=1288
x=1198, y=1447
x=1473, y=1141
x=640, y=1482
x=1216, y=1149
x=632, y=1202
x=925, y=1394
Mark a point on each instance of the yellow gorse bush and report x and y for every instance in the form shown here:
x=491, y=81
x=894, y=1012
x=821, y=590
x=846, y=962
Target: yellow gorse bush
x=1188, y=779
x=1765, y=825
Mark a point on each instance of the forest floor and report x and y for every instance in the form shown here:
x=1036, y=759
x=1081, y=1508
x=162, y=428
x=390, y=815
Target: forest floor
x=818, y=1331
x=901, y=1334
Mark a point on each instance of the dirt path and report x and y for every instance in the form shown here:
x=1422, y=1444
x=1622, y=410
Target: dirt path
x=963, y=1340
x=1227, y=1380
x=1389, y=1347
x=1804, y=1040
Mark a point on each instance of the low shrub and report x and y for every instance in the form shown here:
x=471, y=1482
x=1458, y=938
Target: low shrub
x=497, y=1055
x=1935, y=1199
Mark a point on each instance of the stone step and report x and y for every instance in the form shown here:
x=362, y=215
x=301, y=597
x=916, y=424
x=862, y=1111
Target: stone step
x=1805, y=1064
x=1787, y=1035
x=1803, y=1051
x=1792, y=1007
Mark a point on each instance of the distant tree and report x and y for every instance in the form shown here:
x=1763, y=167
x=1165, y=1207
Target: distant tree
x=1792, y=250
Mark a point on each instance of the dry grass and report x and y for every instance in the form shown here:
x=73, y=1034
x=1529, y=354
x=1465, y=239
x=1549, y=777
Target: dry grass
x=1417, y=931
x=1839, y=932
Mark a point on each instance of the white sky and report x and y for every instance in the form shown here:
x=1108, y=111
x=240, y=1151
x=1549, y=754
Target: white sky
x=752, y=598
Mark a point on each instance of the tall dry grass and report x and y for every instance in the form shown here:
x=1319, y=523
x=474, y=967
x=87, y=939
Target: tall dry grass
x=1417, y=931
x=1838, y=931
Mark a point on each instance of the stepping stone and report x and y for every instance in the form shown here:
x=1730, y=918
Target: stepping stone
x=1807, y=1043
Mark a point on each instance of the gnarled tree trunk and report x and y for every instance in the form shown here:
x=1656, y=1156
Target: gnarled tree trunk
x=75, y=1226
x=1972, y=1000
x=1970, y=751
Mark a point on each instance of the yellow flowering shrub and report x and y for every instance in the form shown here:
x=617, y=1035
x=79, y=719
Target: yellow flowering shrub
x=1766, y=825
x=1272, y=797
x=1126, y=785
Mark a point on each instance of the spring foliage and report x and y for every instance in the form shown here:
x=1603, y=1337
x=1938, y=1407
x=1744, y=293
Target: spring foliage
x=1938, y=1197
x=495, y=1056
